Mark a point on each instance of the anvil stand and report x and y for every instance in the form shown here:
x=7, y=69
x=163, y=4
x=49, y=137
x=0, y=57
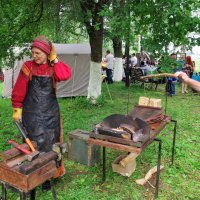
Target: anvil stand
x=158, y=159
x=24, y=195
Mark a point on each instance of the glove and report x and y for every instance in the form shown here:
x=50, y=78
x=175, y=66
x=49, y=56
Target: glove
x=52, y=57
x=17, y=114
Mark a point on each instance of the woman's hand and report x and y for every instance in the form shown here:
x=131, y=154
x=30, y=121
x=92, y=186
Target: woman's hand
x=17, y=114
x=53, y=56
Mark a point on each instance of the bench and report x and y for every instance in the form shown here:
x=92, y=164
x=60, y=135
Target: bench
x=137, y=73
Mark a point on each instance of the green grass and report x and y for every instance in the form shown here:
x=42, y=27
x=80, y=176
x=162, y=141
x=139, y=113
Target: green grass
x=180, y=181
x=1, y=87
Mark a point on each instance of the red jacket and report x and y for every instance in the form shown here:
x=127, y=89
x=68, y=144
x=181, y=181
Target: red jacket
x=61, y=72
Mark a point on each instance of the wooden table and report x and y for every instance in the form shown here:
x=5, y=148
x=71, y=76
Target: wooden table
x=153, y=137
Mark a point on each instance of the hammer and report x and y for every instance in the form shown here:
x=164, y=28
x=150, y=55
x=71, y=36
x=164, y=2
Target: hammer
x=23, y=131
x=30, y=155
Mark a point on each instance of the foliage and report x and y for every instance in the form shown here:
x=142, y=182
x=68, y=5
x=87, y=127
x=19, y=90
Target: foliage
x=21, y=21
x=160, y=22
x=178, y=181
x=168, y=65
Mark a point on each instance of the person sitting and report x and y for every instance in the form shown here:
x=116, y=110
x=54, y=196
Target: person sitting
x=144, y=67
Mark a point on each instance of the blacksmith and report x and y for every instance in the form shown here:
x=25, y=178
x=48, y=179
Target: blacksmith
x=34, y=98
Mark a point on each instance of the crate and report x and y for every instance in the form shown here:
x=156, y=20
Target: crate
x=126, y=170
x=80, y=151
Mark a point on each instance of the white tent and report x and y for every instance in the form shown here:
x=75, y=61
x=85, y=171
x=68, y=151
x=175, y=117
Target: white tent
x=77, y=56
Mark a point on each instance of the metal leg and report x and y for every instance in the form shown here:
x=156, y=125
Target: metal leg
x=104, y=164
x=3, y=191
x=166, y=99
x=174, y=140
x=158, y=166
x=32, y=194
x=53, y=189
x=23, y=195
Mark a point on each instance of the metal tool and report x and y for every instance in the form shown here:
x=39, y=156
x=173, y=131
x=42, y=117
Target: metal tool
x=30, y=155
x=24, y=133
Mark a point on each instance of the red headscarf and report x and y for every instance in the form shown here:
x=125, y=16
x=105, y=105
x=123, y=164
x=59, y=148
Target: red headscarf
x=189, y=60
x=42, y=45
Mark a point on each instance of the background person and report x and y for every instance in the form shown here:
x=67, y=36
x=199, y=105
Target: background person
x=133, y=63
x=34, y=96
x=170, y=85
x=188, y=68
x=109, y=59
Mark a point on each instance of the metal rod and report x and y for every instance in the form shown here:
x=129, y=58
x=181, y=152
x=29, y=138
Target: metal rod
x=32, y=194
x=158, y=166
x=174, y=140
x=3, y=191
x=104, y=164
x=166, y=97
x=22, y=195
x=53, y=189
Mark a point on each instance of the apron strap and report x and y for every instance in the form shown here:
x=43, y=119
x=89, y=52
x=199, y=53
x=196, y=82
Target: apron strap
x=52, y=76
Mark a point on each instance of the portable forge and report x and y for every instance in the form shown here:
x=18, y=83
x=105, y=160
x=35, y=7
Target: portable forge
x=25, y=175
x=134, y=129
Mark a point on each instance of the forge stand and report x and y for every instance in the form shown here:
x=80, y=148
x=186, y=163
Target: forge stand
x=139, y=150
x=23, y=176
x=23, y=194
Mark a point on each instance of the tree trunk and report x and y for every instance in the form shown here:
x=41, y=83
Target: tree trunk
x=94, y=26
x=117, y=46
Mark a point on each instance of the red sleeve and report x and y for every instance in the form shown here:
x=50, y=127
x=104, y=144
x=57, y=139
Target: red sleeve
x=19, y=90
x=62, y=71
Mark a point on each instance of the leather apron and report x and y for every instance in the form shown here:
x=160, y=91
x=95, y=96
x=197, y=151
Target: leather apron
x=41, y=116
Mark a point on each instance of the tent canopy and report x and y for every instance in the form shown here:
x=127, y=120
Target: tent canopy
x=77, y=56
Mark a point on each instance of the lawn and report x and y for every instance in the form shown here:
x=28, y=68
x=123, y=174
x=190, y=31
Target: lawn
x=180, y=181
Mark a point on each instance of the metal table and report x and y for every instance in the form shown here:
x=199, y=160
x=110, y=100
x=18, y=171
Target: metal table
x=153, y=137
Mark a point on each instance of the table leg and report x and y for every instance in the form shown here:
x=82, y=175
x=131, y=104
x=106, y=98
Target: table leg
x=158, y=166
x=104, y=164
x=23, y=195
x=174, y=140
x=32, y=194
x=3, y=191
x=53, y=189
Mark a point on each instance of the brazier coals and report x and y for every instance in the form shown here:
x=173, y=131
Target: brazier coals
x=123, y=129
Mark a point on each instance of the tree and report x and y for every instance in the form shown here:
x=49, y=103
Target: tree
x=89, y=14
x=160, y=22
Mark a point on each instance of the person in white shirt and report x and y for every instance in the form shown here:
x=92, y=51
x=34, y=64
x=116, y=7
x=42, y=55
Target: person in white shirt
x=109, y=59
x=134, y=61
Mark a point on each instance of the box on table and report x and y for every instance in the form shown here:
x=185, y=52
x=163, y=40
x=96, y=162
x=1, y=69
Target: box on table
x=80, y=151
x=143, y=101
x=155, y=103
x=152, y=102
